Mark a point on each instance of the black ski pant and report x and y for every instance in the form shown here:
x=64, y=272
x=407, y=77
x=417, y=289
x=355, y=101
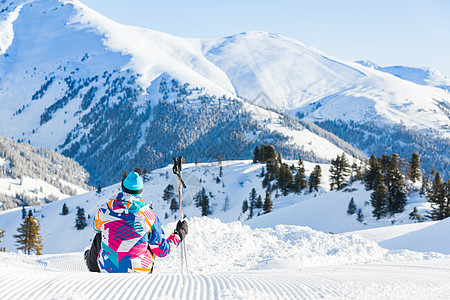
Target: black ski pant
x=91, y=259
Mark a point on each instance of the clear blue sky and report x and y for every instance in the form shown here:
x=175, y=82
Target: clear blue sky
x=387, y=32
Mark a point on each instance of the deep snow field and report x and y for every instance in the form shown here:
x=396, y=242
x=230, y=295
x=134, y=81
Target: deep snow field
x=320, y=252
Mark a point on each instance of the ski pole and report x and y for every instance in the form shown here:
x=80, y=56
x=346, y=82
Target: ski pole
x=180, y=185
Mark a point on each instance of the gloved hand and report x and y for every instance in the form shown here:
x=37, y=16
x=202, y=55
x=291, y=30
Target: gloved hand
x=182, y=229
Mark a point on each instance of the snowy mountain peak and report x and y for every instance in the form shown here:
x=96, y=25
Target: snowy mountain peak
x=423, y=76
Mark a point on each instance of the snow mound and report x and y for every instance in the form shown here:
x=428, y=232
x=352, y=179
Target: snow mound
x=213, y=246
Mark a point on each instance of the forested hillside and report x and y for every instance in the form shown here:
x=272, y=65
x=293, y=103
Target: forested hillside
x=45, y=170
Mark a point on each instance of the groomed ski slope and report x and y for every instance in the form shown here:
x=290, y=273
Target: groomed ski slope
x=232, y=261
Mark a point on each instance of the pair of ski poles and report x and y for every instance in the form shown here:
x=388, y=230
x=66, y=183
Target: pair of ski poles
x=177, y=162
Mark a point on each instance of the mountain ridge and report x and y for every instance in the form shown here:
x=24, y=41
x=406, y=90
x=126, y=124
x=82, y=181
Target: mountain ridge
x=78, y=70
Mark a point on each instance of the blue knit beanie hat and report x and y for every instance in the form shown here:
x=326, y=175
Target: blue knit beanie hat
x=133, y=184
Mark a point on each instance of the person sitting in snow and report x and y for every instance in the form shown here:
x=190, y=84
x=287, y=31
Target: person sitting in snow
x=129, y=233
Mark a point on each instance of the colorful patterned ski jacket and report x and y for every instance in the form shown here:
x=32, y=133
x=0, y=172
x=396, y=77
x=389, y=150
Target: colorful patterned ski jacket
x=129, y=228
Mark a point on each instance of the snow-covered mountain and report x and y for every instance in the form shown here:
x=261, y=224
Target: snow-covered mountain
x=32, y=176
x=98, y=91
x=422, y=76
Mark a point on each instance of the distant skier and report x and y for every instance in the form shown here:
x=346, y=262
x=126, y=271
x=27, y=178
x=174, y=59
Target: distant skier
x=129, y=233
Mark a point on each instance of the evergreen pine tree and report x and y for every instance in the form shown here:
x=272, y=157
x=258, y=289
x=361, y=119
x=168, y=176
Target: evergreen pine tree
x=174, y=205
x=438, y=199
x=396, y=190
x=220, y=171
x=256, y=155
x=314, y=178
x=360, y=216
x=219, y=159
x=414, y=215
x=266, y=180
x=424, y=188
x=300, y=178
x=65, y=210
x=270, y=154
x=226, y=204
x=244, y=206
x=268, y=205
x=285, y=179
x=24, y=213
x=29, y=239
x=80, y=221
x=205, y=204
x=259, y=203
x=414, y=168
x=262, y=151
x=168, y=193
x=370, y=180
x=30, y=213
x=99, y=189
x=351, y=207
x=378, y=199
x=252, y=202
x=339, y=172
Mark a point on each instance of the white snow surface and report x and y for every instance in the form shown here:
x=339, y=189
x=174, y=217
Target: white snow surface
x=231, y=261
x=289, y=253
x=424, y=76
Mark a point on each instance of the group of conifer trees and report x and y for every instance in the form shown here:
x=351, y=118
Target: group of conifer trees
x=256, y=202
x=29, y=238
x=280, y=176
x=438, y=192
x=386, y=177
